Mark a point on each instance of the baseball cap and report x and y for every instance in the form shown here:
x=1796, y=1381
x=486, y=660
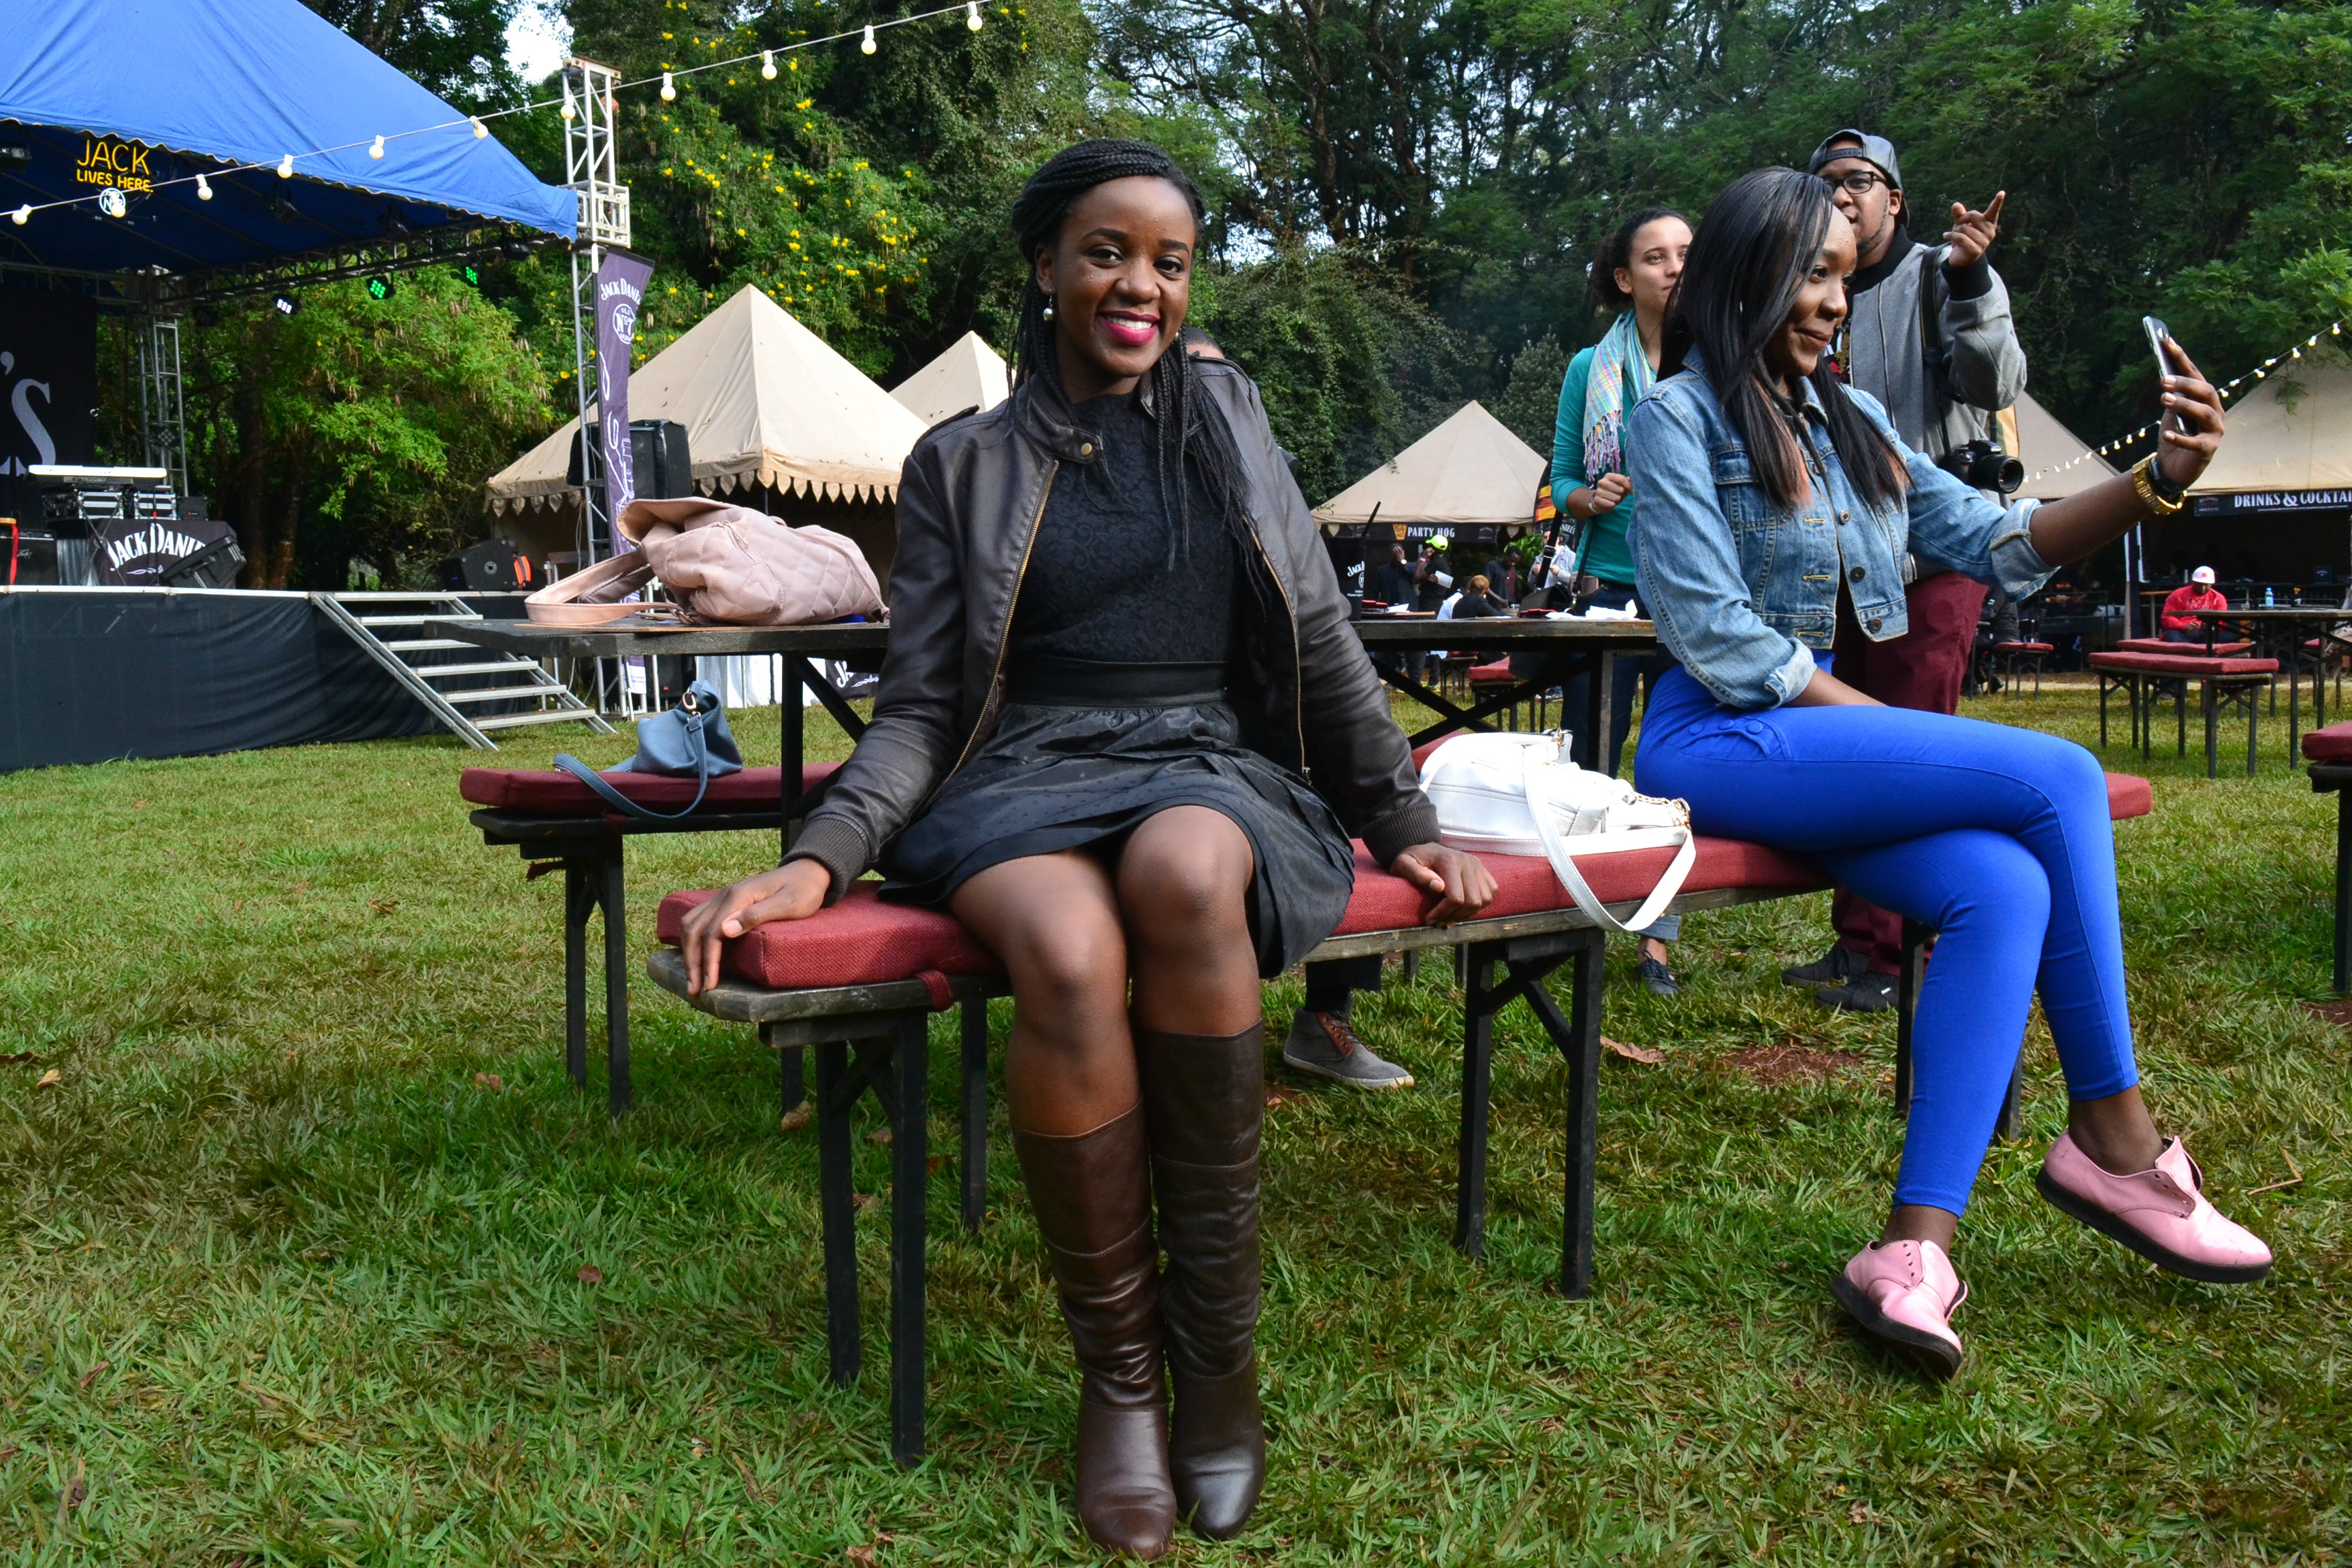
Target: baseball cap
x=2202, y=575
x=1876, y=150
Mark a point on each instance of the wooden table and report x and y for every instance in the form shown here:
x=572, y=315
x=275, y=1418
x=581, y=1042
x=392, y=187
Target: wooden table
x=1592, y=648
x=2278, y=633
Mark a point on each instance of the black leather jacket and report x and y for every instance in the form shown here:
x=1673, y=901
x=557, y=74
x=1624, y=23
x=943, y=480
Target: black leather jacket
x=969, y=500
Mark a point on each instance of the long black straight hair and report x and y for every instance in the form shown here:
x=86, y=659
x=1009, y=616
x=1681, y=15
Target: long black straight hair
x=1190, y=422
x=1749, y=257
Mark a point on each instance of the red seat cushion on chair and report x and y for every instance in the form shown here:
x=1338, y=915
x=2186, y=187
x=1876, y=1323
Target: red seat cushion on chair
x=2174, y=664
x=2182, y=650
x=1499, y=670
x=2022, y=647
x=551, y=792
x=1525, y=884
x=2128, y=796
x=860, y=941
x=2333, y=744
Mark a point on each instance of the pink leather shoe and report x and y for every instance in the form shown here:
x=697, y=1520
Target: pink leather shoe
x=2161, y=1214
x=1903, y=1294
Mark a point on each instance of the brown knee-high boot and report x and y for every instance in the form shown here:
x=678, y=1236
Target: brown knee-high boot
x=1204, y=1098
x=1093, y=1199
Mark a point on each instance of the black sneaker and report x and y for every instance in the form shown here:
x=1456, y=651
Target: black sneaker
x=1323, y=1044
x=1836, y=967
x=1865, y=993
x=1656, y=978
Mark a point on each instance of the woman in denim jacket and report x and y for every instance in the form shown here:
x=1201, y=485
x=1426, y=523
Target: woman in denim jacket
x=1774, y=501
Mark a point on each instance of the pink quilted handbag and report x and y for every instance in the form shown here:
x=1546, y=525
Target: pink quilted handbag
x=729, y=563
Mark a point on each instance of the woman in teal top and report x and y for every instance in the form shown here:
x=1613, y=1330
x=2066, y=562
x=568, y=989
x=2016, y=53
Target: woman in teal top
x=1633, y=278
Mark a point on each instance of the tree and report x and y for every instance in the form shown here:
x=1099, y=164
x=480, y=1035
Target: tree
x=456, y=47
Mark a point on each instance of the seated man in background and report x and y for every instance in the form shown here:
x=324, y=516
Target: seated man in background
x=2181, y=606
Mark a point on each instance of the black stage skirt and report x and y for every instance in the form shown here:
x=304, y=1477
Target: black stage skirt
x=1081, y=757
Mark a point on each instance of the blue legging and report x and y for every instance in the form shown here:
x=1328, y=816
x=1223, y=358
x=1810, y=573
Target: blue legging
x=1998, y=838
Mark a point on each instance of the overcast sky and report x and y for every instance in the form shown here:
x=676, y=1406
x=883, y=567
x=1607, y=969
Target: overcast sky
x=537, y=41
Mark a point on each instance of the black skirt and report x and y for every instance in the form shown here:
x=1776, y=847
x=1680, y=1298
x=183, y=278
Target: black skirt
x=1056, y=776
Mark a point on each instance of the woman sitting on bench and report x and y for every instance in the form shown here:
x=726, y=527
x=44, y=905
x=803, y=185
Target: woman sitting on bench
x=1774, y=503
x=1115, y=648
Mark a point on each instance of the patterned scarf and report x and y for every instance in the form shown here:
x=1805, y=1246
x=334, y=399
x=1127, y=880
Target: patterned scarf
x=1621, y=374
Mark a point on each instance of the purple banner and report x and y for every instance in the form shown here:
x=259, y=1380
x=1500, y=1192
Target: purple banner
x=619, y=291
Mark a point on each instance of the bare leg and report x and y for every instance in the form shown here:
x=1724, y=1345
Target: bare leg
x=1069, y=1065
x=1183, y=883
x=2117, y=1131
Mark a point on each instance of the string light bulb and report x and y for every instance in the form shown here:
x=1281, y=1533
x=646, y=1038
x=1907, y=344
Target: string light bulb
x=571, y=110
x=481, y=130
x=768, y=64
x=203, y=187
x=375, y=148
x=669, y=89
x=865, y=44
x=971, y=14
x=286, y=167
x=22, y=215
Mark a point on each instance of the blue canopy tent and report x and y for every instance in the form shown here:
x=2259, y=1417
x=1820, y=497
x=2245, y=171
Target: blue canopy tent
x=135, y=93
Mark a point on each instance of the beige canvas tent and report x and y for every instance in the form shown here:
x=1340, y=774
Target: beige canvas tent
x=766, y=404
x=1469, y=472
x=2057, y=462
x=2292, y=432
x=968, y=374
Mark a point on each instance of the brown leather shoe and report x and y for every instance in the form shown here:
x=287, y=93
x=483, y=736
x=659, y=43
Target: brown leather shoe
x=1204, y=1098
x=1093, y=1200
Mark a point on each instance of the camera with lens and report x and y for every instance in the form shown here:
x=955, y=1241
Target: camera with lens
x=1981, y=465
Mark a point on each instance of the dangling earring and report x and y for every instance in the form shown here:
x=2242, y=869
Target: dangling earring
x=1048, y=311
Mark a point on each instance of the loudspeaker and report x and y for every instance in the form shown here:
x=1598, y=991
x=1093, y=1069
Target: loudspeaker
x=493, y=566
x=32, y=557
x=214, y=566
x=664, y=468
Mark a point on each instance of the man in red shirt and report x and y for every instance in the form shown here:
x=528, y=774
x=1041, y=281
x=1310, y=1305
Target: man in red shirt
x=2181, y=606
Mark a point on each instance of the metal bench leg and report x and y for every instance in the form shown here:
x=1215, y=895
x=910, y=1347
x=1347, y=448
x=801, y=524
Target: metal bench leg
x=1907, y=980
x=1582, y=1049
x=835, y=1202
x=2250, y=709
x=616, y=982
x=976, y=1113
x=1478, y=1007
x=580, y=899
x=2205, y=696
x=791, y=1089
x=909, y=1151
x=2343, y=978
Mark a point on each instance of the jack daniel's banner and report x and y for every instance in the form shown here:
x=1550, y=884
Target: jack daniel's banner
x=135, y=553
x=48, y=385
x=620, y=292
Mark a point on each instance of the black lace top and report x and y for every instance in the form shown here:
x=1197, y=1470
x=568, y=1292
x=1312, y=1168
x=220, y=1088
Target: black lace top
x=1098, y=585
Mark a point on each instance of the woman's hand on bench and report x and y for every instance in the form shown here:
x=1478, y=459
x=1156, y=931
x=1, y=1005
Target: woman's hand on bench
x=793, y=892
x=1460, y=880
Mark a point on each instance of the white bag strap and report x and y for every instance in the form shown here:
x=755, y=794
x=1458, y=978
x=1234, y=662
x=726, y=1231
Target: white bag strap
x=1563, y=866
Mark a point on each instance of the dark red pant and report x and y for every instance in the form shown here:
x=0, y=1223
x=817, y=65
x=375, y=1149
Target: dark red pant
x=1923, y=670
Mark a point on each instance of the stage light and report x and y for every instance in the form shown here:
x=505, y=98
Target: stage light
x=669, y=89
x=865, y=44
x=768, y=64
x=286, y=167
x=469, y=275
x=285, y=304
x=971, y=14
x=22, y=214
x=572, y=110
x=481, y=130
x=111, y=203
x=379, y=288
x=15, y=155
x=203, y=187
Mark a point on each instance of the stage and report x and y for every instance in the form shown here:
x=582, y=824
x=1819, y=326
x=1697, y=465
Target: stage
x=91, y=675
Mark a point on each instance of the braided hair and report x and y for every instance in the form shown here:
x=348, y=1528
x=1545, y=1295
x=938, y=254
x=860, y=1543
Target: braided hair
x=1190, y=422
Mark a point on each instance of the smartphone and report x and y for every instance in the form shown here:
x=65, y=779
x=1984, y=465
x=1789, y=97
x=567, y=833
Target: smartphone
x=2157, y=335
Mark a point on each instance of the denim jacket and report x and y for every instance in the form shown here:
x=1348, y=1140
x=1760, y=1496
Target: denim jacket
x=1744, y=591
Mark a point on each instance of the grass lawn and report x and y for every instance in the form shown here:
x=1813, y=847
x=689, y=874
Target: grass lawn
x=312, y=1254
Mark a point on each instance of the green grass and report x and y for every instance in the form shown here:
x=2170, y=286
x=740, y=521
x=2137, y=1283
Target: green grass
x=289, y=1278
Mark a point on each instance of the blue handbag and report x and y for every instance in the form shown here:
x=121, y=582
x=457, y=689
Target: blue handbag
x=690, y=740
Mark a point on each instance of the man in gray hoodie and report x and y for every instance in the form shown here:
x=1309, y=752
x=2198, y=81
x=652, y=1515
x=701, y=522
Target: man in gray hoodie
x=1929, y=334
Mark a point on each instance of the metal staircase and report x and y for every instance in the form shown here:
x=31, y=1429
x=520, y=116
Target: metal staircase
x=398, y=632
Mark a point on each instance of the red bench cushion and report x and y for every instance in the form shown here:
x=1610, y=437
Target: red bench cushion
x=2333, y=744
x=551, y=792
x=2177, y=664
x=2128, y=796
x=2188, y=649
x=1499, y=670
x=2022, y=647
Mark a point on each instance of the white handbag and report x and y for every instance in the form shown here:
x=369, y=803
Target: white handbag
x=1522, y=794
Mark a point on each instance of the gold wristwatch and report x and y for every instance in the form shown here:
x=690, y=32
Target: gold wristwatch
x=2150, y=490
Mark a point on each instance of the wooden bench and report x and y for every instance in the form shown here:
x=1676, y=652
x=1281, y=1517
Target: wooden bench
x=859, y=982
x=2148, y=678
x=2329, y=753
x=2237, y=649
x=555, y=821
